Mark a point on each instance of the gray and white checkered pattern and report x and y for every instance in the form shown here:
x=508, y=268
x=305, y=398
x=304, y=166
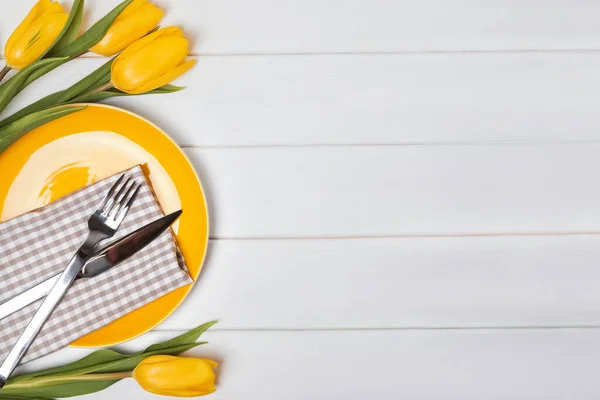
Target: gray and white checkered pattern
x=38, y=245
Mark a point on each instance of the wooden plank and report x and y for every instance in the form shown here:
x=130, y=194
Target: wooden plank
x=366, y=99
x=382, y=99
x=449, y=364
x=397, y=282
x=400, y=190
x=313, y=26
x=333, y=191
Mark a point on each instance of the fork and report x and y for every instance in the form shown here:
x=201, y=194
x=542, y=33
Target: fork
x=103, y=224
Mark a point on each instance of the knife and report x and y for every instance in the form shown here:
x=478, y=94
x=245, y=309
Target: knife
x=106, y=258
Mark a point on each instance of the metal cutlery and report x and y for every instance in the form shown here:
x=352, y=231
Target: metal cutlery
x=103, y=224
x=103, y=260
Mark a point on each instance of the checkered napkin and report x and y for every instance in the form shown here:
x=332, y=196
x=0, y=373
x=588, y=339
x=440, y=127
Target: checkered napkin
x=38, y=245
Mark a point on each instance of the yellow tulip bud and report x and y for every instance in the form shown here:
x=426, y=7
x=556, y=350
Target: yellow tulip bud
x=136, y=20
x=34, y=36
x=176, y=376
x=151, y=62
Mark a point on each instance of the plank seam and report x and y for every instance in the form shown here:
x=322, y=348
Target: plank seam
x=376, y=53
x=416, y=235
x=400, y=329
x=397, y=144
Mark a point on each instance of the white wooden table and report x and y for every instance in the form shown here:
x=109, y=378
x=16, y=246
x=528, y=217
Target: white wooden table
x=404, y=195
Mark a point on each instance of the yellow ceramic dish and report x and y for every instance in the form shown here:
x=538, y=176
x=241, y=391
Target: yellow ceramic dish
x=81, y=148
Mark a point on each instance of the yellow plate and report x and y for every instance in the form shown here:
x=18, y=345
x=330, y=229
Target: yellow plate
x=81, y=148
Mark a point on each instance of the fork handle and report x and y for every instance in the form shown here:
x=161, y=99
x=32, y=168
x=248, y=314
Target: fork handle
x=34, y=327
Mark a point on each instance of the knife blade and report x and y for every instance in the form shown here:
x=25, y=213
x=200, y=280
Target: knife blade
x=103, y=260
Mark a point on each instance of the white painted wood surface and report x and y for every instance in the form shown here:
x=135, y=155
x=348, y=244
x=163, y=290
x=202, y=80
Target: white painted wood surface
x=370, y=99
x=317, y=26
x=403, y=195
x=428, y=282
x=392, y=364
x=401, y=190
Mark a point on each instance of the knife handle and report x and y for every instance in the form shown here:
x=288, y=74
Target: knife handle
x=34, y=327
x=27, y=297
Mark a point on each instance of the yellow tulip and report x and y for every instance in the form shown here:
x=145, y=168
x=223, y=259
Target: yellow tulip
x=34, y=36
x=136, y=20
x=176, y=376
x=151, y=62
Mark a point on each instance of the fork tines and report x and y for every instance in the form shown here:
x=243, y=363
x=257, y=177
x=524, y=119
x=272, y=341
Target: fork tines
x=118, y=200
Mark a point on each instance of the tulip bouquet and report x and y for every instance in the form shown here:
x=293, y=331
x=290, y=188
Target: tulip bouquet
x=146, y=59
x=158, y=369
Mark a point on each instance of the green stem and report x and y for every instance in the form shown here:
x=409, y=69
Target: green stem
x=4, y=71
x=106, y=86
x=56, y=380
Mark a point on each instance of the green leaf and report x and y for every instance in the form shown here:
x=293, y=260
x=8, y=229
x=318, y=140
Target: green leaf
x=168, y=88
x=39, y=72
x=124, y=363
x=14, y=131
x=85, y=376
x=96, y=97
x=97, y=357
x=69, y=389
x=92, y=35
x=11, y=87
x=157, y=27
x=68, y=96
x=71, y=28
x=106, y=94
x=42, y=104
x=15, y=396
x=133, y=360
x=188, y=337
x=106, y=360
x=97, y=78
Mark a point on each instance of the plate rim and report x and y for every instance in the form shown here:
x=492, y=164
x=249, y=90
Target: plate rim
x=207, y=211
x=204, y=244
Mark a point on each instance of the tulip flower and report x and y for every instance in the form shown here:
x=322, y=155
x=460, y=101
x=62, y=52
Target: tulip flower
x=139, y=18
x=151, y=62
x=46, y=39
x=36, y=34
x=176, y=376
x=157, y=369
